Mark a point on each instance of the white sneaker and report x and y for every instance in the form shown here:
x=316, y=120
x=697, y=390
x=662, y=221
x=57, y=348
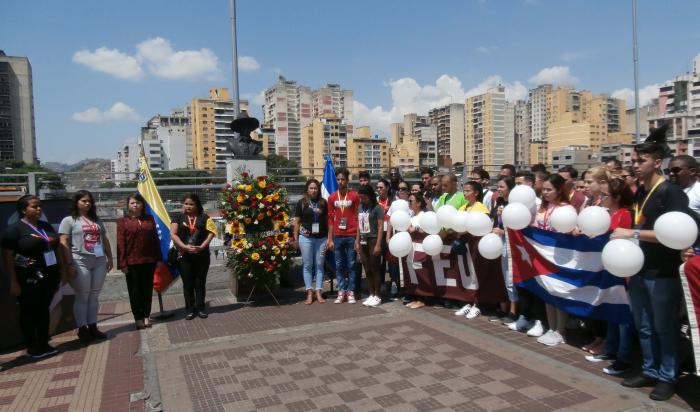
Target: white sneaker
x=546, y=338
x=518, y=324
x=376, y=301
x=367, y=301
x=473, y=312
x=523, y=324
x=351, y=297
x=464, y=310
x=556, y=339
x=536, y=330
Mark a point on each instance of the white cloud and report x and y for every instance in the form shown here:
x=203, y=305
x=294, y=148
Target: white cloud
x=248, y=64
x=486, y=49
x=574, y=55
x=554, y=75
x=118, y=112
x=410, y=97
x=164, y=62
x=255, y=99
x=646, y=93
x=110, y=61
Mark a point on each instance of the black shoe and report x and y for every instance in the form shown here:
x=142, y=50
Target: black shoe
x=497, y=317
x=202, y=314
x=663, y=391
x=638, y=381
x=509, y=318
x=49, y=350
x=617, y=368
x=84, y=334
x=95, y=333
x=190, y=316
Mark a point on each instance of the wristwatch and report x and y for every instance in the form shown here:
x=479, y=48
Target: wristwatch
x=636, y=234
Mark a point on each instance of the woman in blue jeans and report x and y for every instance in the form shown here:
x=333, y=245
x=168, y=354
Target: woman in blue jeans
x=311, y=232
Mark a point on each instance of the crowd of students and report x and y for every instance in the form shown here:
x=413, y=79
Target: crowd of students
x=38, y=259
x=353, y=223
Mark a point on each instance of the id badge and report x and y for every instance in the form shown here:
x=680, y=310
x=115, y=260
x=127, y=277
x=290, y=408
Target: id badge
x=343, y=224
x=363, y=242
x=50, y=258
x=385, y=225
x=315, y=228
x=98, y=250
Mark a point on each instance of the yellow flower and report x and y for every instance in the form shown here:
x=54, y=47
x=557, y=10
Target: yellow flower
x=260, y=217
x=240, y=198
x=269, y=213
x=255, y=256
x=268, y=198
x=276, y=250
x=262, y=184
x=247, y=220
x=259, y=196
x=276, y=196
x=248, y=188
x=241, y=187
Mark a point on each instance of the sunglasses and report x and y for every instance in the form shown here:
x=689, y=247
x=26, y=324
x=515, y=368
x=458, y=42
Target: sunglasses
x=674, y=170
x=403, y=189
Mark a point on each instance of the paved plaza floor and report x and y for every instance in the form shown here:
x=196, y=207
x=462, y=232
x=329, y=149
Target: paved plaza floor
x=327, y=357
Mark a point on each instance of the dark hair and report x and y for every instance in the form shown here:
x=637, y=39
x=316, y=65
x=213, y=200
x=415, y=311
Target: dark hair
x=369, y=192
x=342, y=171
x=686, y=160
x=420, y=200
x=137, y=196
x=75, y=212
x=542, y=175
x=509, y=181
x=583, y=175
x=384, y=182
x=483, y=174
x=529, y=176
x=618, y=189
x=476, y=187
x=23, y=203
x=364, y=175
x=195, y=199
x=305, y=199
x=427, y=170
x=509, y=167
x=630, y=170
x=559, y=184
x=570, y=170
x=655, y=145
x=539, y=167
x=617, y=163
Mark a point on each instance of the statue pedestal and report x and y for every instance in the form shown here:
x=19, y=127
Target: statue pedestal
x=234, y=167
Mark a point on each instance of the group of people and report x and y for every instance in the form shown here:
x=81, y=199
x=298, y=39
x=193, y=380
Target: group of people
x=353, y=223
x=38, y=259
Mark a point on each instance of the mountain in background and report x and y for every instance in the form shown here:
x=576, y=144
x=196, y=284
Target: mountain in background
x=86, y=174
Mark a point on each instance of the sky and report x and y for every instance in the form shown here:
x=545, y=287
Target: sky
x=101, y=69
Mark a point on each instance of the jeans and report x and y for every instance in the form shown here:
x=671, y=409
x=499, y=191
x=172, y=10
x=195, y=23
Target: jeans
x=313, y=253
x=345, y=262
x=655, y=304
x=139, y=283
x=372, y=265
x=619, y=341
x=87, y=284
x=34, y=305
x=193, y=269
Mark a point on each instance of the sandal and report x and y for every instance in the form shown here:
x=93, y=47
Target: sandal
x=419, y=304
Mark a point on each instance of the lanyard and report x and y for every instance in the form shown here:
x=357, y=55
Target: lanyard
x=547, y=214
x=637, y=210
x=91, y=224
x=384, y=204
x=314, y=206
x=342, y=203
x=191, y=224
x=41, y=232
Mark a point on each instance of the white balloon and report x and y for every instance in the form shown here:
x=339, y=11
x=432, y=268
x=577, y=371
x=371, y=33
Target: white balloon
x=432, y=245
x=594, y=221
x=461, y=222
x=622, y=258
x=676, y=230
x=429, y=223
x=491, y=246
x=523, y=194
x=446, y=215
x=564, y=218
x=399, y=204
x=479, y=224
x=400, y=244
x=516, y=216
x=400, y=220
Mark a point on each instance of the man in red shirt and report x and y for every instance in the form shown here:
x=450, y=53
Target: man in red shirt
x=342, y=229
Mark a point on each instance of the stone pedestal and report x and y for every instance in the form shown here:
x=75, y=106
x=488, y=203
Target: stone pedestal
x=234, y=167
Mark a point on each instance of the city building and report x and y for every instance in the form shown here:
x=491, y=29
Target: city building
x=645, y=112
x=127, y=162
x=332, y=99
x=266, y=135
x=619, y=151
x=522, y=134
x=580, y=157
x=287, y=110
x=325, y=135
x=404, y=148
x=449, y=121
x=174, y=135
x=487, y=142
x=211, y=119
x=367, y=152
x=537, y=108
x=17, y=133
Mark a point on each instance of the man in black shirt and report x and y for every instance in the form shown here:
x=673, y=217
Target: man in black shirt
x=655, y=292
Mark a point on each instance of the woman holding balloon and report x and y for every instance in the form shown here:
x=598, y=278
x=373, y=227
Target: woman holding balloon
x=508, y=309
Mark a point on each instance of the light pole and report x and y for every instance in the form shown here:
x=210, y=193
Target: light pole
x=635, y=57
x=234, y=68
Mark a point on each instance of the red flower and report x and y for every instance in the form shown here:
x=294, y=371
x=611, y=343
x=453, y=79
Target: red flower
x=261, y=178
x=234, y=205
x=260, y=243
x=244, y=174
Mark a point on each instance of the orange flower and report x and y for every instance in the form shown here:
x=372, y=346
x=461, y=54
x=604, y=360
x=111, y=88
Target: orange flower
x=247, y=220
x=262, y=184
x=260, y=216
x=276, y=196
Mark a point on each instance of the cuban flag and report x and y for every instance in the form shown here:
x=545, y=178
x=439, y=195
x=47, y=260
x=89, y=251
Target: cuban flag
x=165, y=274
x=567, y=272
x=690, y=279
x=328, y=184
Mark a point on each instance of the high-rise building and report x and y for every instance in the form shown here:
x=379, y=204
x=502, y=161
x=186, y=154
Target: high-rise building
x=404, y=147
x=17, y=133
x=211, y=119
x=522, y=134
x=367, y=152
x=645, y=112
x=325, y=135
x=537, y=108
x=174, y=135
x=449, y=121
x=332, y=99
x=486, y=128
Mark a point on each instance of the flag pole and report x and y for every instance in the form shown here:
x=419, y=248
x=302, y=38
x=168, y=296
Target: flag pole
x=234, y=65
x=635, y=58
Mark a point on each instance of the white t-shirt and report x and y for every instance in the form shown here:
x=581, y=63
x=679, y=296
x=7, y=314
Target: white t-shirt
x=415, y=220
x=488, y=195
x=693, y=193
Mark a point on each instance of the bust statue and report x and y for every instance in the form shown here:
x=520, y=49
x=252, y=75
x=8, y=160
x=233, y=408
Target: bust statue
x=242, y=145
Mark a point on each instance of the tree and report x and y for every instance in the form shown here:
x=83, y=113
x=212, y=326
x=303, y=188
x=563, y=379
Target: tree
x=281, y=166
x=45, y=177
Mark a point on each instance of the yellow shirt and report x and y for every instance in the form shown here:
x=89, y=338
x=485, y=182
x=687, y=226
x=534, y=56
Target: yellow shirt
x=476, y=207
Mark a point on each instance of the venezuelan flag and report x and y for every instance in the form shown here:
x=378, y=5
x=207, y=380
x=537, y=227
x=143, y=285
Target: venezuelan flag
x=165, y=274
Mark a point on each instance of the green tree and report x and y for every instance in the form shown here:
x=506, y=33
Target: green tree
x=281, y=166
x=45, y=177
